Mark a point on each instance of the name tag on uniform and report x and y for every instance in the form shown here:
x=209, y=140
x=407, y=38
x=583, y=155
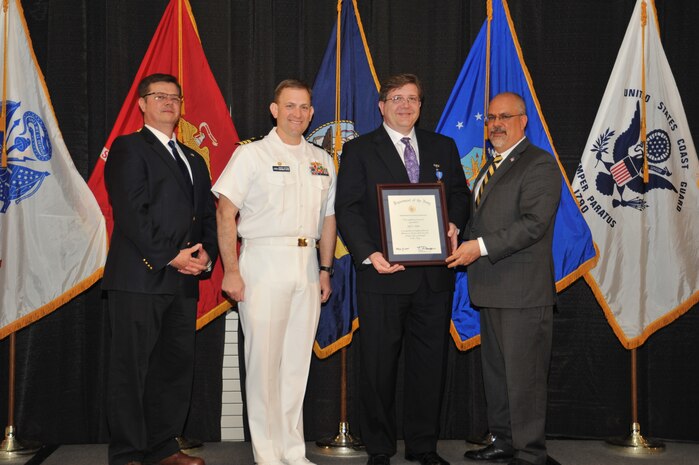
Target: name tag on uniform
x=284, y=169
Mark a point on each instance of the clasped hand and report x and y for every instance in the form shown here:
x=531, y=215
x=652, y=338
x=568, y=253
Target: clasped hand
x=192, y=261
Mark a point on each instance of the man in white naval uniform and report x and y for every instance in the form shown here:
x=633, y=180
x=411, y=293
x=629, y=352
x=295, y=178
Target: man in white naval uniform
x=284, y=190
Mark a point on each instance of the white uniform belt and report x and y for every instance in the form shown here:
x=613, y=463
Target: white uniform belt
x=288, y=241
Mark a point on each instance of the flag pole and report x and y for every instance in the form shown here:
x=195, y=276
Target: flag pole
x=185, y=443
x=11, y=446
x=635, y=443
x=343, y=443
x=487, y=438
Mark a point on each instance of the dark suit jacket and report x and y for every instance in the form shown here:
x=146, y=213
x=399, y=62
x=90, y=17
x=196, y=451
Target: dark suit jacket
x=155, y=216
x=515, y=219
x=373, y=159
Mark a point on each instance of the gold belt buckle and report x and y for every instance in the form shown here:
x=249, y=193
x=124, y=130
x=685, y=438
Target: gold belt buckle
x=303, y=242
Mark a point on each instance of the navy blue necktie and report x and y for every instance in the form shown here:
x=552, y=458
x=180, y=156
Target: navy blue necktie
x=181, y=165
x=180, y=162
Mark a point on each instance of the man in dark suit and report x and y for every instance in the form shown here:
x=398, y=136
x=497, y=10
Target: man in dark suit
x=399, y=306
x=511, y=280
x=164, y=241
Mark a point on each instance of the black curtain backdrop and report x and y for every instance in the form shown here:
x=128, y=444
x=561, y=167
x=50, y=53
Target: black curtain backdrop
x=90, y=50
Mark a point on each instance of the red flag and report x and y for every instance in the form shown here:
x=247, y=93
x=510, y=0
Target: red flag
x=205, y=125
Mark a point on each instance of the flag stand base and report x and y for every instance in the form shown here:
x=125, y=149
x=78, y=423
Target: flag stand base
x=635, y=443
x=11, y=446
x=188, y=443
x=485, y=440
x=342, y=444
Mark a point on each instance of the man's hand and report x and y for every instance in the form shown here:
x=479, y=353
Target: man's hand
x=325, y=286
x=382, y=266
x=186, y=263
x=453, y=234
x=233, y=285
x=467, y=253
x=203, y=259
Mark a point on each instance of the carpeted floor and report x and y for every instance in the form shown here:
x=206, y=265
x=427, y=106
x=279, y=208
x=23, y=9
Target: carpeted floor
x=563, y=452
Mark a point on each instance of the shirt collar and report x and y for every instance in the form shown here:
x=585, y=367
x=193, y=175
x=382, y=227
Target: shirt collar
x=397, y=136
x=507, y=152
x=162, y=137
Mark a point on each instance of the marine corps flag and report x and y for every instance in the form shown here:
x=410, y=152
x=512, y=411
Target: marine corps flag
x=346, y=96
x=53, y=239
x=494, y=65
x=205, y=125
x=646, y=229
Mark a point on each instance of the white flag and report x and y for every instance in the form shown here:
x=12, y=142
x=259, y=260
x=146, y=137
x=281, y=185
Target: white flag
x=53, y=240
x=648, y=234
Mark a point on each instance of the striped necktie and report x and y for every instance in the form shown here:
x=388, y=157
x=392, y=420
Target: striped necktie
x=491, y=169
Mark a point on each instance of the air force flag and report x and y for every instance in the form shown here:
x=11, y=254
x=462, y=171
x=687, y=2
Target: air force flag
x=479, y=81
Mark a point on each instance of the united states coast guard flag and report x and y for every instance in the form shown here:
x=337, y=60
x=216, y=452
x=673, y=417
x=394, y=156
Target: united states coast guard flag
x=345, y=96
x=647, y=275
x=494, y=65
x=53, y=239
x=205, y=125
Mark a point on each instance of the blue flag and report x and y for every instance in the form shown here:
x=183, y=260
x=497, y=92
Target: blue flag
x=463, y=120
x=343, y=111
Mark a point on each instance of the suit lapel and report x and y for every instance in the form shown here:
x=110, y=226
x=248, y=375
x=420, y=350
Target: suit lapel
x=389, y=155
x=504, y=167
x=166, y=157
x=428, y=159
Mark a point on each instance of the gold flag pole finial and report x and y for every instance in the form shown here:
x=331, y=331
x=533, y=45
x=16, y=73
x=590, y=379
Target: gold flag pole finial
x=644, y=24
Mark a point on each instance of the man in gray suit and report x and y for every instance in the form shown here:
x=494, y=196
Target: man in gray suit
x=511, y=280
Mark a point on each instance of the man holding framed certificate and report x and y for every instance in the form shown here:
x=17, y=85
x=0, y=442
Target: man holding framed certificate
x=402, y=186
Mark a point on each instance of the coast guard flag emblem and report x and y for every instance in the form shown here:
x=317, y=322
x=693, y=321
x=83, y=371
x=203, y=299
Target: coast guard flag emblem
x=638, y=188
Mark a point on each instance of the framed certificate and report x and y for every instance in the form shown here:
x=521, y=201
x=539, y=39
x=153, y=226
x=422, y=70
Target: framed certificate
x=414, y=223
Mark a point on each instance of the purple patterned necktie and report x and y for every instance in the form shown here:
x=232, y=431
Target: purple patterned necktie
x=410, y=159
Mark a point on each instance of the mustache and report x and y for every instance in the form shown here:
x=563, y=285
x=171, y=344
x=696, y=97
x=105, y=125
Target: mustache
x=497, y=131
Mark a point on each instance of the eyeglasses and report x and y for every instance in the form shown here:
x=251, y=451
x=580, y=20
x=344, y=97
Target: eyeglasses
x=504, y=117
x=400, y=100
x=161, y=97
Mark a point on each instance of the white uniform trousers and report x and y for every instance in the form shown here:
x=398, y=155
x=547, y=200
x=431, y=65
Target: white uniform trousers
x=279, y=317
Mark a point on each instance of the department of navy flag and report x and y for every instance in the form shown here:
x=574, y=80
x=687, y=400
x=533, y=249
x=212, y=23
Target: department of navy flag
x=343, y=110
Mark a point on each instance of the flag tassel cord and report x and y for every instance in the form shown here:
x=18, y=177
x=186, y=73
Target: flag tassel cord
x=180, y=61
x=3, y=112
x=338, y=50
x=486, y=93
x=644, y=24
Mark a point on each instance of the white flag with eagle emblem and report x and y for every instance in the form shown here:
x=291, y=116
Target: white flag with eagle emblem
x=647, y=274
